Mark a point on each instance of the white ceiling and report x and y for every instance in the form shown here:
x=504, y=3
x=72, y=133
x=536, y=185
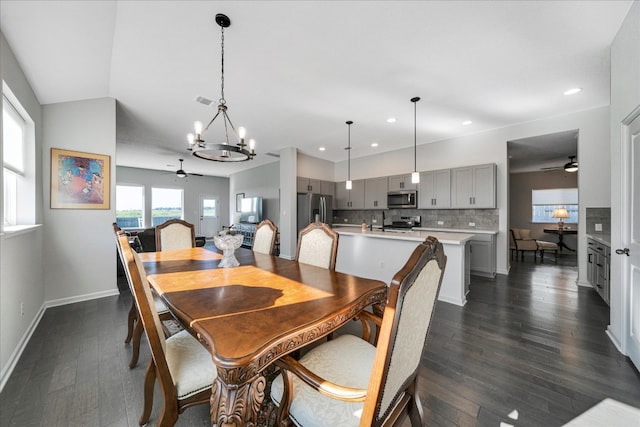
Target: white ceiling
x=296, y=71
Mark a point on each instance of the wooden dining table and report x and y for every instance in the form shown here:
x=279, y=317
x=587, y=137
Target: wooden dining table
x=251, y=315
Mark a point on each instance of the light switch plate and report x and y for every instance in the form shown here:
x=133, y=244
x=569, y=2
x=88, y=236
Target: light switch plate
x=598, y=227
x=472, y=224
x=440, y=222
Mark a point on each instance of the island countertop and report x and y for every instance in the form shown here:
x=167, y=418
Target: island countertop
x=417, y=235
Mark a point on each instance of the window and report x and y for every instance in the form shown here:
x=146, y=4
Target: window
x=166, y=203
x=130, y=206
x=18, y=168
x=544, y=202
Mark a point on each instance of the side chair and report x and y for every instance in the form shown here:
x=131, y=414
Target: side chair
x=180, y=363
x=264, y=239
x=134, y=326
x=175, y=234
x=317, y=245
x=350, y=382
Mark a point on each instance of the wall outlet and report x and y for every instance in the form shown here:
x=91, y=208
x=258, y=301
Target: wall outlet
x=440, y=222
x=374, y=221
x=598, y=227
x=472, y=224
x=346, y=219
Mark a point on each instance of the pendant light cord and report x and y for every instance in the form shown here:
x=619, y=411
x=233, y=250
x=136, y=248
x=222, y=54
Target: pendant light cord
x=222, y=100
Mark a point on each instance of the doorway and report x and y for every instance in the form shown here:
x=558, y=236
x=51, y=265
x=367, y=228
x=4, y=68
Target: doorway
x=537, y=167
x=209, y=224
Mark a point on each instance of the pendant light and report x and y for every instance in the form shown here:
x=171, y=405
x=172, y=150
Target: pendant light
x=349, y=184
x=224, y=151
x=415, y=176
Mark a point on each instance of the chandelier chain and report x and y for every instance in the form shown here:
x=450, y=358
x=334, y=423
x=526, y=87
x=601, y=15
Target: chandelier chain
x=222, y=100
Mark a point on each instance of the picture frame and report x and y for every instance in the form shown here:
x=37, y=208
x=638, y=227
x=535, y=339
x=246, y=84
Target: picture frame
x=80, y=180
x=239, y=197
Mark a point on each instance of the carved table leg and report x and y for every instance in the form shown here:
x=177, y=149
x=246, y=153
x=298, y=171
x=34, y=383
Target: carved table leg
x=237, y=405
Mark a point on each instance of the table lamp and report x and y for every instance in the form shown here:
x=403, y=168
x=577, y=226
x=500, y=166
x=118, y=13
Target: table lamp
x=560, y=213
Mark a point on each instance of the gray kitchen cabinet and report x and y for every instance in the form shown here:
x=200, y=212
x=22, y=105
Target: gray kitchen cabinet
x=309, y=185
x=473, y=187
x=401, y=182
x=375, y=193
x=483, y=255
x=434, y=190
x=598, y=267
x=350, y=199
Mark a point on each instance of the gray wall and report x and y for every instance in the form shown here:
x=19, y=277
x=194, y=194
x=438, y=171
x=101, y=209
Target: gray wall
x=21, y=254
x=261, y=181
x=193, y=186
x=80, y=259
x=520, y=186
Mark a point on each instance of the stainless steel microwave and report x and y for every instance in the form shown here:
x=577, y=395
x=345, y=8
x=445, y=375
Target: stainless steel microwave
x=402, y=199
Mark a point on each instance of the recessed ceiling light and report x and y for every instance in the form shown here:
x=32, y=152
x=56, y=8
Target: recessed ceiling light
x=573, y=91
x=391, y=120
x=374, y=144
x=322, y=148
x=466, y=122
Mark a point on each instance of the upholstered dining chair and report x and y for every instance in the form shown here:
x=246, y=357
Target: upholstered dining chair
x=134, y=326
x=182, y=365
x=521, y=242
x=317, y=245
x=350, y=382
x=264, y=239
x=175, y=234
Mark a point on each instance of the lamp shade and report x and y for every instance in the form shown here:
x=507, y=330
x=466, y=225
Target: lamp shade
x=560, y=213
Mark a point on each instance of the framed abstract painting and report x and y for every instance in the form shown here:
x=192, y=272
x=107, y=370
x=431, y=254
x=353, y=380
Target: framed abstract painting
x=79, y=180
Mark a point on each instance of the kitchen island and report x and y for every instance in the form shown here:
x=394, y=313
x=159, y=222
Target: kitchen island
x=378, y=254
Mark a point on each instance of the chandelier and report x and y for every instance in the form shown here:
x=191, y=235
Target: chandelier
x=223, y=151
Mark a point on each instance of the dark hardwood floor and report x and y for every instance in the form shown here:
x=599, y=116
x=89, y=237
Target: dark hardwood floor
x=532, y=343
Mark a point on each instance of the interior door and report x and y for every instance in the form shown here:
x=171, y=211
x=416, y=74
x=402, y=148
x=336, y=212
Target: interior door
x=209, y=216
x=630, y=253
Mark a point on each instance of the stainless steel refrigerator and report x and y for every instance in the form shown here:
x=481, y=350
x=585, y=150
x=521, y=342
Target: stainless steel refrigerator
x=312, y=204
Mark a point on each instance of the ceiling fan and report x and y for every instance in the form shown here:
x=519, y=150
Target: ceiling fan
x=571, y=166
x=181, y=173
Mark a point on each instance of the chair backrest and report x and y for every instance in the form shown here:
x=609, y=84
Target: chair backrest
x=405, y=324
x=148, y=314
x=522, y=239
x=264, y=239
x=317, y=245
x=116, y=228
x=175, y=234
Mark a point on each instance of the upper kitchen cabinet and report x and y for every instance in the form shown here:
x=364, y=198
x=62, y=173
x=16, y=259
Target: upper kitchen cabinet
x=308, y=185
x=375, y=193
x=401, y=182
x=350, y=199
x=473, y=187
x=434, y=190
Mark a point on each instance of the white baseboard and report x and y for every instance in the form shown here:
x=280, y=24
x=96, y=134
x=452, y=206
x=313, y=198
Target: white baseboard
x=7, y=370
x=80, y=298
x=614, y=340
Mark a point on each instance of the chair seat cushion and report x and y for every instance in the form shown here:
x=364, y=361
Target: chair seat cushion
x=347, y=361
x=161, y=307
x=190, y=364
x=547, y=246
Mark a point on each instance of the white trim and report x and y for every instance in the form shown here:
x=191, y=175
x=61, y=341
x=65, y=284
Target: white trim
x=613, y=339
x=80, y=298
x=7, y=370
x=17, y=230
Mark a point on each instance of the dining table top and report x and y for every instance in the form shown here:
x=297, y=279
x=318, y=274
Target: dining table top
x=252, y=314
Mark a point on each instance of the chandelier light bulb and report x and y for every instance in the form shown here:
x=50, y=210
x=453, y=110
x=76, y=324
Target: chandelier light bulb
x=252, y=144
x=415, y=177
x=349, y=185
x=197, y=126
x=242, y=132
x=191, y=138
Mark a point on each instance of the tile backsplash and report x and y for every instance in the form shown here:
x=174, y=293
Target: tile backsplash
x=600, y=216
x=484, y=219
